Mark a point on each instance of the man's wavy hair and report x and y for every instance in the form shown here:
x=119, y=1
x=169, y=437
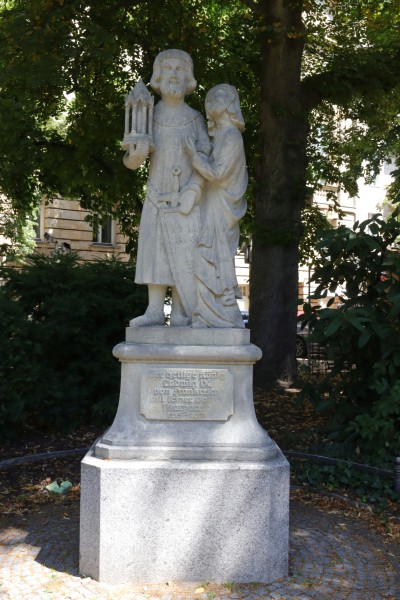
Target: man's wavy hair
x=233, y=109
x=191, y=83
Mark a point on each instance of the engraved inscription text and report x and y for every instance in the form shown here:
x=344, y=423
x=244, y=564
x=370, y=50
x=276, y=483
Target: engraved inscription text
x=186, y=394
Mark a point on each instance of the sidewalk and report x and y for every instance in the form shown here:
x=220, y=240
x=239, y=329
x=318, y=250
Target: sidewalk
x=331, y=557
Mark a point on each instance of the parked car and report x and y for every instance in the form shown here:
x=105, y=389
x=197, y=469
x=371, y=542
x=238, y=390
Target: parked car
x=305, y=347
x=302, y=341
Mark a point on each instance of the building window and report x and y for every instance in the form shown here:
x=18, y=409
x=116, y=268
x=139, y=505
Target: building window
x=37, y=227
x=105, y=232
x=301, y=293
x=389, y=166
x=244, y=290
x=376, y=182
x=38, y=224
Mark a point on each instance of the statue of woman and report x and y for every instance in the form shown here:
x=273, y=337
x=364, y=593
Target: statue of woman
x=224, y=205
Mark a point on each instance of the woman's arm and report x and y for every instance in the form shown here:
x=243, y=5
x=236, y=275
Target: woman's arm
x=223, y=160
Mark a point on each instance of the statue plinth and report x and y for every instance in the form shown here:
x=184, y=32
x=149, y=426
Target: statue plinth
x=185, y=485
x=186, y=394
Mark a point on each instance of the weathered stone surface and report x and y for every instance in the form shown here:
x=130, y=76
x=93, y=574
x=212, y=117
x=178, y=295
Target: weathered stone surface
x=186, y=394
x=185, y=499
x=195, y=197
x=170, y=222
x=157, y=521
x=157, y=418
x=188, y=336
x=223, y=204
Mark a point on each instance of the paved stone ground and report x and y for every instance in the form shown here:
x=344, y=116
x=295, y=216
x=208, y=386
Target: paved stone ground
x=331, y=557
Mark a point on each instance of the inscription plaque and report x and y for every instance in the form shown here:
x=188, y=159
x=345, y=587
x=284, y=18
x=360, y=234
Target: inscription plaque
x=186, y=394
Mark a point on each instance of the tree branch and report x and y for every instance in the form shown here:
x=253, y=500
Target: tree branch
x=254, y=6
x=126, y=4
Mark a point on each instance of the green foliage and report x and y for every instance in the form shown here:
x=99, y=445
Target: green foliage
x=66, y=66
x=65, y=69
x=59, y=321
x=351, y=54
x=300, y=68
x=314, y=222
x=19, y=231
x=362, y=336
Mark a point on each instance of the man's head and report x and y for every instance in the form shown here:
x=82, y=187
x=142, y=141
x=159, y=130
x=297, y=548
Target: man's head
x=173, y=73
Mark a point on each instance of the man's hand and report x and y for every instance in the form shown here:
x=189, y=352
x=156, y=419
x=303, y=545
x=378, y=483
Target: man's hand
x=136, y=153
x=187, y=201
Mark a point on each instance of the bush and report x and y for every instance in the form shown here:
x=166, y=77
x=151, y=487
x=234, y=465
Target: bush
x=362, y=337
x=59, y=320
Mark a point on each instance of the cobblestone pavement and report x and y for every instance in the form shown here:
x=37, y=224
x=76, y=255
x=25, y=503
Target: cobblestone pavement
x=331, y=557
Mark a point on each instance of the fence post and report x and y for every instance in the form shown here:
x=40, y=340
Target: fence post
x=397, y=475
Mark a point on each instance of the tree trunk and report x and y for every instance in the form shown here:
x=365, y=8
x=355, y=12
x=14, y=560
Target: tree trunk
x=280, y=194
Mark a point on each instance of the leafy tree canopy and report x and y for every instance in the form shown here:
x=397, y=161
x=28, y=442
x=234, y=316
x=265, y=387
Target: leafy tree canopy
x=65, y=68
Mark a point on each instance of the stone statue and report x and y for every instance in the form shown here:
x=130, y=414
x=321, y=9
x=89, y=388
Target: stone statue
x=186, y=429
x=223, y=206
x=170, y=221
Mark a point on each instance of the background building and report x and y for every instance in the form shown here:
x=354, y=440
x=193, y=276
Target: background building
x=61, y=226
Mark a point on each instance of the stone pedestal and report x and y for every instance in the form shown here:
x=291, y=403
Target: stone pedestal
x=158, y=521
x=185, y=485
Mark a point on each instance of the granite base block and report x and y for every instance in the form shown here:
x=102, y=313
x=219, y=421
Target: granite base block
x=179, y=520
